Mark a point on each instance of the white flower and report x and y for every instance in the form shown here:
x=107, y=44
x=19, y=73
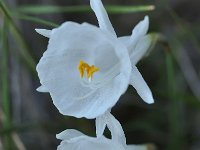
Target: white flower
x=86, y=69
x=75, y=140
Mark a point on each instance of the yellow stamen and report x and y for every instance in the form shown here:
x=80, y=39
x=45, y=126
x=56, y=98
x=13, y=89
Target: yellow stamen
x=83, y=66
x=91, y=71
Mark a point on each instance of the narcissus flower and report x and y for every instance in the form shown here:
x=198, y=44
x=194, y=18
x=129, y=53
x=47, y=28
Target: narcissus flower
x=75, y=140
x=87, y=68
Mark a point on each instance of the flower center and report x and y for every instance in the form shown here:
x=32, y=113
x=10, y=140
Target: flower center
x=90, y=70
x=84, y=68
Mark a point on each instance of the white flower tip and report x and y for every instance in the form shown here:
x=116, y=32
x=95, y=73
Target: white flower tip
x=141, y=28
x=141, y=86
x=150, y=100
x=146, y=18
x=69, y=134
x=42, y=89
x=61, y=136
x=44, y=32
x=146, y=21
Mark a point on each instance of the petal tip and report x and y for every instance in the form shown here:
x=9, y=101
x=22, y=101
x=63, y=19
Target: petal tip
x=149, y=99
x=44, y=32
x=42, y=89
x=58, y=136
x=146, y=20
x=38, y=89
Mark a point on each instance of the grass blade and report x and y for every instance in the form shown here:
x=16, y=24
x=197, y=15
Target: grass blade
x=36, y=9
x=176, y=130
x=5, y=85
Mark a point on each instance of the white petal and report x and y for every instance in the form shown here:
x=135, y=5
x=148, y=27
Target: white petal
x=141, y=86
x=69, y=134
x=42, y=89
x=44, y=32
x=100, y=125
x=89, y=143
x=140, y=50
x=115, y=128
x=139, y=31
x=102, y=16
x=125, y=40
x=57, y=69
x=136, y=147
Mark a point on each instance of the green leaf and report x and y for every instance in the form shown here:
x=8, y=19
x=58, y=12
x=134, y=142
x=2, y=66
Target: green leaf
x=176, y=131
x=7, y=123
x=5, y=74
x=129, y=9
x=36, y=9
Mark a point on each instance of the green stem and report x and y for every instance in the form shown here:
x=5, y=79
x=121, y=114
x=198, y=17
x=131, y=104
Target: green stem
x=175, y=136
x=5, y=74
x=36, y=9
x=7, y=123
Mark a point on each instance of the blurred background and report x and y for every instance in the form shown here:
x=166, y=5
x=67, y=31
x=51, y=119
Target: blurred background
x=30, y=121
